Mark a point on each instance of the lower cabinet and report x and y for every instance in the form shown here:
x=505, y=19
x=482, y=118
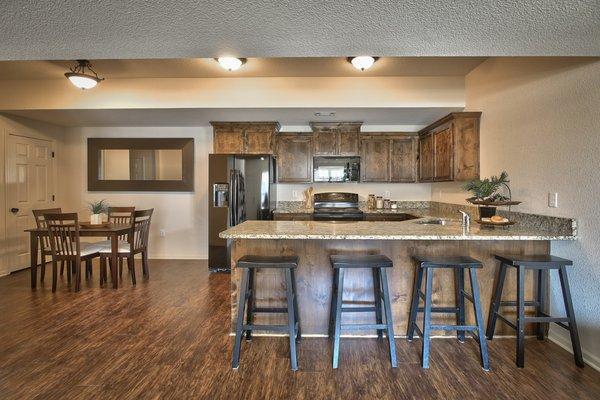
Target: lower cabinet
x=292, y=217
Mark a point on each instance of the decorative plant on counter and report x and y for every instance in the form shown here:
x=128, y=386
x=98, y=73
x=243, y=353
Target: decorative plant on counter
x=487, y=190
x=487, y=194
x=97, y=208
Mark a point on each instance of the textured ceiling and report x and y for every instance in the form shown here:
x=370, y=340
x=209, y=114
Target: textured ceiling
x=407, y=117
x=115, y=29
x=254, y=67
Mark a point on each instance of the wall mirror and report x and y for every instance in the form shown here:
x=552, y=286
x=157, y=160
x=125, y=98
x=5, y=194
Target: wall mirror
x=140, y=164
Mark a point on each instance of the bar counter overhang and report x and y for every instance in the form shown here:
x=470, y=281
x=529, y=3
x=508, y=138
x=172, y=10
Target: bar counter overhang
x=313, y=242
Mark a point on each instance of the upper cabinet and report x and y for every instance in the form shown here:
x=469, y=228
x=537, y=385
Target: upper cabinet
x=388, y=157
x=449, y=148
x=335, y=138
x=294, y=157
x=403, y=159
x=244, y=137
x=374, y=158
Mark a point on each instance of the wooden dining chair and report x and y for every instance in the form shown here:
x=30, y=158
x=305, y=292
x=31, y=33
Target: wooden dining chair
x=65, y=245
x=119, y=216
x=45, y=249
x=137, y=244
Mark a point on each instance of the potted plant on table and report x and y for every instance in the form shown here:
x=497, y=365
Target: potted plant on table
x=487, y=194
x=97, y=208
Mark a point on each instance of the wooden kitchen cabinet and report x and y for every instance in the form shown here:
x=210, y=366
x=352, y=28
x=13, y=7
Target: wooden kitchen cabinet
x=294, y=157
x=374, y=158
x=336, y=138
x=292, y=216
x=449, y=148
x=403, y=159
x=244, y=137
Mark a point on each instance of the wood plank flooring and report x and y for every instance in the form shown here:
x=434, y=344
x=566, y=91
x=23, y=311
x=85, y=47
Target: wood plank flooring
x=167, y=338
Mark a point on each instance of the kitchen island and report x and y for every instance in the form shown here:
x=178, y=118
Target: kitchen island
x=313, y=242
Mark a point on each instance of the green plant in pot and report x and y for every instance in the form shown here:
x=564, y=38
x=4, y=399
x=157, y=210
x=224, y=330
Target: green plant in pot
x=97, y=208
x=486, y=193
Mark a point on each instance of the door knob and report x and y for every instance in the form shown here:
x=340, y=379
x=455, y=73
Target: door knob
x=14, y=210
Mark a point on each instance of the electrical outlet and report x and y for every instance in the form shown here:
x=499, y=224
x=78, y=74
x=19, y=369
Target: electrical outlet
x=162, y=233
x=553, y=200
x=295, y=194
x=387, y=194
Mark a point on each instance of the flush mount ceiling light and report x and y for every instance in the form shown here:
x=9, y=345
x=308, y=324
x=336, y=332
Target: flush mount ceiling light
x=231, y=63
x=362, y=62
x=82, y=79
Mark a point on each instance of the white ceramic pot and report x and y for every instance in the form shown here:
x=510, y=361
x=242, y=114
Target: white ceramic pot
x=96, y=219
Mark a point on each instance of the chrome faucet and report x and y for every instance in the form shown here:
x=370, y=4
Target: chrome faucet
x=466, y=219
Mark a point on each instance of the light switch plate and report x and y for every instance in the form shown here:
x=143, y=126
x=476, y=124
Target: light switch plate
x=553, y=200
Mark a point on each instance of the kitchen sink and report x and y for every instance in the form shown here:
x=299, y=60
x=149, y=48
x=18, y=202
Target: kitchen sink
x=433, y=221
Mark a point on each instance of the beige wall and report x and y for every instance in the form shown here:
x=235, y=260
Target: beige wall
x=22, y=127
x=236, y=93
x=183, y=216
x=541, y=123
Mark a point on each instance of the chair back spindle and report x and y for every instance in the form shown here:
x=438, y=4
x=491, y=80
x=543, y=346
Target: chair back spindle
x=63, y=232
x=40, y=222
x=141, y=229
x=121, y=216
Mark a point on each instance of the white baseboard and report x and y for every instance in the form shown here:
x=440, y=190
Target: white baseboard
x=177, y=257
x=565, y=343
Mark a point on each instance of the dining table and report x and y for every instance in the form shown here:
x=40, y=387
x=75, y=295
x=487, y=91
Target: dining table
x=108, y=231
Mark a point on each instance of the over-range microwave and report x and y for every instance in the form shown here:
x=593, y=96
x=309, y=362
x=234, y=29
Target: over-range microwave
x=336, y=169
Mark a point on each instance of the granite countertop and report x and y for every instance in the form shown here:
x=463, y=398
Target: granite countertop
x=377, y=230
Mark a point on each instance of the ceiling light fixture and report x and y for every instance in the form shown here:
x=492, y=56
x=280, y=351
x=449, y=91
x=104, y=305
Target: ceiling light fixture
x=231, y=63
x=80, y=78
x=362, y=62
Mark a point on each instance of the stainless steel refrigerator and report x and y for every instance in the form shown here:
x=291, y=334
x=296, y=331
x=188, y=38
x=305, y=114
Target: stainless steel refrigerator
x=241, y=188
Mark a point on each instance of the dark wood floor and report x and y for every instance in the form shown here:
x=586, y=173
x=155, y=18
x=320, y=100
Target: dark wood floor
x=168, y=339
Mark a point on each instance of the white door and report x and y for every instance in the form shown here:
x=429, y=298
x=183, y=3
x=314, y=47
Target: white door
x=29, y=186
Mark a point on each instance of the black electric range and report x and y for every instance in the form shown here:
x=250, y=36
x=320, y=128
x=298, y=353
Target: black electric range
x=336, y=206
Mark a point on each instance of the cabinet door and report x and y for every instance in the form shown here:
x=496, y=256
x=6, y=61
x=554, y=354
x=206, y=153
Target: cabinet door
x=292, y=217
x=426, y=158
x=348, y=143
x=403, y=160
x=228, y=141
x=294, y=158
x=258, y=141
x=374, y=156
x=325, y=142
x=443, y=150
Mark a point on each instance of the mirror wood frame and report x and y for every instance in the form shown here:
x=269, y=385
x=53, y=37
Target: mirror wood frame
x=96, y=145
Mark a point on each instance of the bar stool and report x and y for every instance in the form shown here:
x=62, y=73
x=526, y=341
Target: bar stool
x=459, y=264
x=249, y=264
x=378, y=265
x=541, y=263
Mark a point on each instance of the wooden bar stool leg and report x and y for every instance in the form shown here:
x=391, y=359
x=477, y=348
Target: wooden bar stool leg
x=427, y=319
x=520, y=316
x=459, y=277
x=338, y=317
x=291, y=318
x=541, y=299
x=566, y=291
x=414, y=305
x=296, y=312
x=333, y=308
x=377, y=296
x=496, y=299
x=250, y=307
x=242, y=292
x=388, y=317
x=483, y=350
